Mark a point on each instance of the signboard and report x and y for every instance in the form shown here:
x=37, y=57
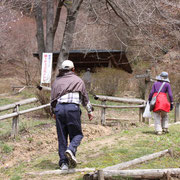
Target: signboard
x=46, y=68
x=142, y=76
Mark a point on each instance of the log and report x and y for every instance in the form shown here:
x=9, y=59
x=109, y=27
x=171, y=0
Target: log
x=118, y=99
x=22, y=89
x=118, y=119
x=118, y=107
x=129, y=163
x=5, y=94
x=11, y=106
x=6, y=116
x=137, y=160
x=58, y=171
x=143, y=173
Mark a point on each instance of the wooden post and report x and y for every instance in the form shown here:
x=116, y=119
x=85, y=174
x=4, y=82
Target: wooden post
x=15, y=122
x=100, y=175
x=177, y=112
x=141, y=119
x=147, y=88
x=147, y=84
x=103, y=113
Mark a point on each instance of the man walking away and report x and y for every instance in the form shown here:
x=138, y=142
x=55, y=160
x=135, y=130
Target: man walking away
x=68, y=92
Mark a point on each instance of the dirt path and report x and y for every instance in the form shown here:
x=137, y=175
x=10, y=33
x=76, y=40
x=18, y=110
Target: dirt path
x=32, y=145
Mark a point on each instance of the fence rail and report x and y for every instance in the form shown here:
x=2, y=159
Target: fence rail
x=139, y=103
x=16, y=113
x=19, y=103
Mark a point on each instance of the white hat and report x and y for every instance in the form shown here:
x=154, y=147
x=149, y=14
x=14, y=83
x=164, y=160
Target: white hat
x=163, y=77
x=67, y=65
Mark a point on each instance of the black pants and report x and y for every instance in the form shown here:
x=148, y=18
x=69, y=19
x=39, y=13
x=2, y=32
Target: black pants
x=68, y=123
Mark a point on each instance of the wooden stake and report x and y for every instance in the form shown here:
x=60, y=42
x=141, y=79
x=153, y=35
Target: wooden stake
x=100, y=175
x=103, y=113
x=15, y=123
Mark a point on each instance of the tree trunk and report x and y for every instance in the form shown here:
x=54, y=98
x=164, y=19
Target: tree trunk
x=57, y=16
x=72, y=12
x=40, y=30
x=49, y=26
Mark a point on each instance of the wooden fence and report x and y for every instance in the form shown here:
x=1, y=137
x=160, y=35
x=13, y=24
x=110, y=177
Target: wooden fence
x=16, y=113
x=137, y=103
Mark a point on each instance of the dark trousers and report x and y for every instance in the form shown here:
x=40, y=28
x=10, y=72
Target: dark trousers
x=68, y=123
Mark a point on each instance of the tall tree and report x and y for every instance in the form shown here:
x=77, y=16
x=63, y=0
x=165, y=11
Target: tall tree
x=46, y=42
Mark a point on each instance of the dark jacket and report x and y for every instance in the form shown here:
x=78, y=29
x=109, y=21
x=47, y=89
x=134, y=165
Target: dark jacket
x=69, y=82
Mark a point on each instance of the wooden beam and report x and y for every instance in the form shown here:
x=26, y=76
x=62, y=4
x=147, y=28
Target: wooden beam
x=137, y=160
x=118, y=167
x=118, y=99
x=11, y=106
x=58, y=171
x=143, y=173
x=118, y=107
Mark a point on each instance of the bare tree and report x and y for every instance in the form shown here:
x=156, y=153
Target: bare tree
x=149, y=27
x=52, y=21
x=145, y=29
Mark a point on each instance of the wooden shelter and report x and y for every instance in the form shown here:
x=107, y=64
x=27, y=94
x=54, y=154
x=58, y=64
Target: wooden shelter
x=84, y=59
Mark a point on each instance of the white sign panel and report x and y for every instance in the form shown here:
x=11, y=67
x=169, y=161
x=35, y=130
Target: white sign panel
x=46, y=68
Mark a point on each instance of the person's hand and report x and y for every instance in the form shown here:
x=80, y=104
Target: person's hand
x=54, y=116
x=171, y=107
x=90, y=115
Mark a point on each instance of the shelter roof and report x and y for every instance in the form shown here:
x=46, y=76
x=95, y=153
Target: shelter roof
x=84, y=59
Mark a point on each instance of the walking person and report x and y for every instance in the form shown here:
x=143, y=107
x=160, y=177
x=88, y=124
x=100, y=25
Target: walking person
x=87, y=79
x=162, y=106
x=67, y=93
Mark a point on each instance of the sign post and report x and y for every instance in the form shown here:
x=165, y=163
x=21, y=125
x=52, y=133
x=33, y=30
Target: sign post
x=46, y=68
x=147, y=78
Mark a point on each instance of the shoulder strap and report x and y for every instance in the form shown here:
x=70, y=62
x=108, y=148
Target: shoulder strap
x=161, y=88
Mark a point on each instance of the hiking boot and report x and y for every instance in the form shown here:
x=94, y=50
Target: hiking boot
x=64, y=166
x=158, y=132
x=166, y=130
x=71, y=158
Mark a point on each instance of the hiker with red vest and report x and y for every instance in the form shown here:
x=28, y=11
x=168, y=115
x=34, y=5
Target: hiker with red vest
x=162, y=106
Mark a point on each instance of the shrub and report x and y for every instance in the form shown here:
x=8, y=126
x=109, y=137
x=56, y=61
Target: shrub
x=44, y=98
x=109, y=81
